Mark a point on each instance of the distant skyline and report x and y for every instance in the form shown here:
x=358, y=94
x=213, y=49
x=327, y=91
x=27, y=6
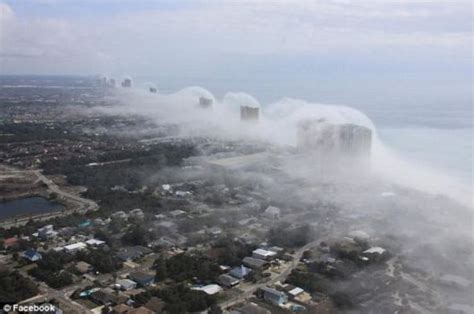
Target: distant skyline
x=385, y=44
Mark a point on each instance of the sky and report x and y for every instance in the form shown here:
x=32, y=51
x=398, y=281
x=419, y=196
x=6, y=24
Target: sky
x=348, y=45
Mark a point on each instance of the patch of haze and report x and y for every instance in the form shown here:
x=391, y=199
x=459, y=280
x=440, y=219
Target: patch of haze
x=278, y=125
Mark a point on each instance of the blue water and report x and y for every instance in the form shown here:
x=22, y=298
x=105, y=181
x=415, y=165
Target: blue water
x=27, y=206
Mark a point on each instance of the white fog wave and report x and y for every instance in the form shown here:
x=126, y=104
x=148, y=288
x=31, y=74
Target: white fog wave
x=278, y=125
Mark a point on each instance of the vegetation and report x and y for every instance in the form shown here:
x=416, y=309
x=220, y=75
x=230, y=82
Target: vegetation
x=286, y=236
x=14, y=287
x=137, y=235
x=102, y=261
x=178, y=299
x=184, y=267
x=50, y=269
x=230, y=252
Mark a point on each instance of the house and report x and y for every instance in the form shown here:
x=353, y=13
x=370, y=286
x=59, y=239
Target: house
x=251, y=308
x=274, y=296
x=126, y=284
x=121, y=309
x=83, y=267
x=254, y=263
x=160, y=217
x=166, y=224
x=142, y=279
x=95, y=242
x=71, y=248
x=375, y=253
x=263, y=254
x=272, y=212
x=99, y=222
x=132, y=253
x=155, y=304
x=140, y=310
x=31, y=255
x=227, y=281
x=215, y=231
x=298, y=294
x=137, y=213
x=182, y=193
x=103, y=298
x=120, y=214
x=177, y=213
x=46, y=232
x=10, y=242
x=209, y=289
x=240, y=272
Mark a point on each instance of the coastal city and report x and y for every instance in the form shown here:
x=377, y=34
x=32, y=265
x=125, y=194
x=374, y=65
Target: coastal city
x=103, y=212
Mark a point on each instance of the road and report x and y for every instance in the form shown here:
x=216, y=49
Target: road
x=86, y=204
x=248, y=292
x=83, y=204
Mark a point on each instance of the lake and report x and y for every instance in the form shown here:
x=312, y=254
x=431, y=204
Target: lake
x=26, y=206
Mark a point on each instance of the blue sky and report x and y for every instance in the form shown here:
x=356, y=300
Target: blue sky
x=350, y=45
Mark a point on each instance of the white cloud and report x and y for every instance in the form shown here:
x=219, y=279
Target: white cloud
x=215, y=29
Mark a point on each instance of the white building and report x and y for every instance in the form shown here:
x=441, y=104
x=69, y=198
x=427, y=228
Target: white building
x=75, y=247
x=263, y=254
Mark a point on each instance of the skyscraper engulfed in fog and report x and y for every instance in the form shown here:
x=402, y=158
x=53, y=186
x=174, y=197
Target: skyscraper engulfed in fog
x=348, y=140
x=127, y=83
x=205, y=102
x=249, y=113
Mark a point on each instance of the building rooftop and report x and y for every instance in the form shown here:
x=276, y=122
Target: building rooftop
x=209, y=289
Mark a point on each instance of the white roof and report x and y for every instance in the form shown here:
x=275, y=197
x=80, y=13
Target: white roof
x=359, y=234
x=263, y=252
x=456, y=280
x=272, y=210
x=295, y=291
x=126, y=283
x=209, y=289
x=375, y=249
x=75, y=246
x=95, y=242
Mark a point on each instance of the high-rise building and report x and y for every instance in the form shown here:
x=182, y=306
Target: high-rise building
x=127, y=83
x=205, y=102
x=249, y=113
x=342, y=139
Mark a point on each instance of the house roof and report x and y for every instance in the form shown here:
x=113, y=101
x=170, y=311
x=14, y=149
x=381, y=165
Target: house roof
x=155, y=304
x=240, y=272
x=133, y=252
x=295, y=291
x=273, y=292
x=126, y=283
x=141, y=276
x=252, y=308
x=75, y=246
x=140, y=310
x=121, y=308
x=375, y=249
x=209, y=289
x=10, y=241
x=263, y=252
x=83, y=267
x=227, y=280
x=31, y=253
x=253, y=262
x=95, y=242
